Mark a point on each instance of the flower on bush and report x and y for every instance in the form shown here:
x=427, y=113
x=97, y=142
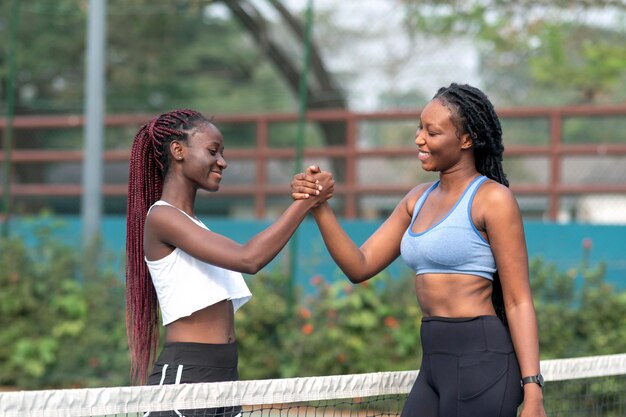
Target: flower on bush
x=94, y=362
x=305, y=313
x=316, y=280
x=307, y=329
x=391, y=322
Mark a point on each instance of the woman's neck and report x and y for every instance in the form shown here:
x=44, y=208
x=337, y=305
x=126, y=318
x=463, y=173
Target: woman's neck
x=457, y=178
x=179, y=198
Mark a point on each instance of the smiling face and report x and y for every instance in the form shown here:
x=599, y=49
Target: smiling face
x=441, y=146
x=202, y=157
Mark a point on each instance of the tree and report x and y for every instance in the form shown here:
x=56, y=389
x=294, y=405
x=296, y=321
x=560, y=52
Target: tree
x=554, y=52
x=47, y=70
x=284, y=48
x=160, y=55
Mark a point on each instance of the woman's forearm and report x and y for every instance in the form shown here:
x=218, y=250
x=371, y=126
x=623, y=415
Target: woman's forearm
x=264, y=246
x=346, y=254
x=524, y=333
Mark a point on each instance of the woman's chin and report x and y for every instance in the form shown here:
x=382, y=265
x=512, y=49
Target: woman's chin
x=427, y=167
x=212, y=188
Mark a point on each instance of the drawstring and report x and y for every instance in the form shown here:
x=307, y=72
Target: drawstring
x=179, y=374
x=163, y=374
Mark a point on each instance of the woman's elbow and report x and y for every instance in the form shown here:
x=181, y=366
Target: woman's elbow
x=356, y=278
x=247, y=264
x=251, y=267
x=249, y=260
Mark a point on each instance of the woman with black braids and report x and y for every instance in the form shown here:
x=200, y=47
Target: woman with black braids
x=173, y=258
x=463, y=236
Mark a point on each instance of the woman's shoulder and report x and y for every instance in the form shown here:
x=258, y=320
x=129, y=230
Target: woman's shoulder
x=161, y=211
x=491, y=194
x=421, y=188
x=415, y=194
x=166, y=216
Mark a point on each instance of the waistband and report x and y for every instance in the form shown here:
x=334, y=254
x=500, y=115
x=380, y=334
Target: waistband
x=461, y=335
x=201, y=354
x=458, y=319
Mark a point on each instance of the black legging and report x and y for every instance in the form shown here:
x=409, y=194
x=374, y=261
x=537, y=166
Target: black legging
x=469, y=368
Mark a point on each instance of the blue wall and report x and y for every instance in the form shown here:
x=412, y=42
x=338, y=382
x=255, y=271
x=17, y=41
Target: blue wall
x=555, y=243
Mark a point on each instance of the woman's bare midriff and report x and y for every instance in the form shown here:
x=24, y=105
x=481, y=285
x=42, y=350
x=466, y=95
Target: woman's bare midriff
x=214, y=324
x=453, y=295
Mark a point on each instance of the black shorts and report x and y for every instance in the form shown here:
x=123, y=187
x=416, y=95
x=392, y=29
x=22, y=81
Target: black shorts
x=186, y=362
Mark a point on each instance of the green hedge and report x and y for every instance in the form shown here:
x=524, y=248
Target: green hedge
x=62, y=320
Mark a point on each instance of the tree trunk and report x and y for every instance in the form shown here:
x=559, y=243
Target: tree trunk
x=323, y=93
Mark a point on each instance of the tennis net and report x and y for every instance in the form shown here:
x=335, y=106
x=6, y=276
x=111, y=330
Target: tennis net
x=589, y=386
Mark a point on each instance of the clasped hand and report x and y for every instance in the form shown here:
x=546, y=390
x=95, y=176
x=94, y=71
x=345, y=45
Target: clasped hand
x=313, y=183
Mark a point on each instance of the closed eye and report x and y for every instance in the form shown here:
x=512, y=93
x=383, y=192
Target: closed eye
x=429, y=132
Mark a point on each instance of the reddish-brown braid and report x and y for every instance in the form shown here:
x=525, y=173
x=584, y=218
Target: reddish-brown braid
x=149, y=162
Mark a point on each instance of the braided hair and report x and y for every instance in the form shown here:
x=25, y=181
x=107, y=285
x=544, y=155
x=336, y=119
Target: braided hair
x=472, y=113
x=149, y=162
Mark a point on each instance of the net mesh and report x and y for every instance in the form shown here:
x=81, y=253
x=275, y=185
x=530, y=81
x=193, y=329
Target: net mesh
x=590, y=386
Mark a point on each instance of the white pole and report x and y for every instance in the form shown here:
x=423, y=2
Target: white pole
x=94, y=121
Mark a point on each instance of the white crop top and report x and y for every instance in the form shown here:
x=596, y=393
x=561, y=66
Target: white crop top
x=185, y=284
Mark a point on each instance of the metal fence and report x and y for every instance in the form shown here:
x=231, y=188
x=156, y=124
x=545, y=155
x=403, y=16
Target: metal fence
x=561, y=163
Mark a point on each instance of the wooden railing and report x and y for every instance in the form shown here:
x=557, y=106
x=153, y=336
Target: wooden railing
x=261, y=153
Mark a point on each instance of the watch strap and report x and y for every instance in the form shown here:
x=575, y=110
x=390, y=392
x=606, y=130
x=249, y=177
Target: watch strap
x=533, y=379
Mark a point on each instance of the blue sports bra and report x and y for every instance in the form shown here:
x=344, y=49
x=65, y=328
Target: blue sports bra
x=452, y=246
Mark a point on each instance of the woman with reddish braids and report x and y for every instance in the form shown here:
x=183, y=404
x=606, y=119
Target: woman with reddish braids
x=463, y=237
x=173, y=261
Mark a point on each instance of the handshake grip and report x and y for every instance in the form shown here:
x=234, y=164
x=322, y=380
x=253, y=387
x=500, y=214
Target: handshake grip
x=313, y=183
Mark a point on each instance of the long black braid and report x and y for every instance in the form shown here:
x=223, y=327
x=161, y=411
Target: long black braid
x=473, y=113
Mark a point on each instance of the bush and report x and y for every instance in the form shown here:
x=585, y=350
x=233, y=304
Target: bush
x=578, y=312
x=62, y=319
x=56, y=328
x=341, y=328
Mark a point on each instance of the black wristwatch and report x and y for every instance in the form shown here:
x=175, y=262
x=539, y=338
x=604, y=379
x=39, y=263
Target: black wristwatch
x=534, y=379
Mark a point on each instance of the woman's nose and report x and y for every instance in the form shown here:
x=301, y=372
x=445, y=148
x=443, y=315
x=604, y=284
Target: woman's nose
x=418, y=137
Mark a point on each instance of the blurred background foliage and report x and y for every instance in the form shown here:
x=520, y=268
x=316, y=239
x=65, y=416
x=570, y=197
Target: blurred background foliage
x=59, y=327
x=239, y=56
x=159, y=55
x=245, y=56
x=62, y=328
x=537, y=52
x=62, y=320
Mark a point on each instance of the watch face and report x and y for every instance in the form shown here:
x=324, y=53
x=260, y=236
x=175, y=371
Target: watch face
x=540, y=379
